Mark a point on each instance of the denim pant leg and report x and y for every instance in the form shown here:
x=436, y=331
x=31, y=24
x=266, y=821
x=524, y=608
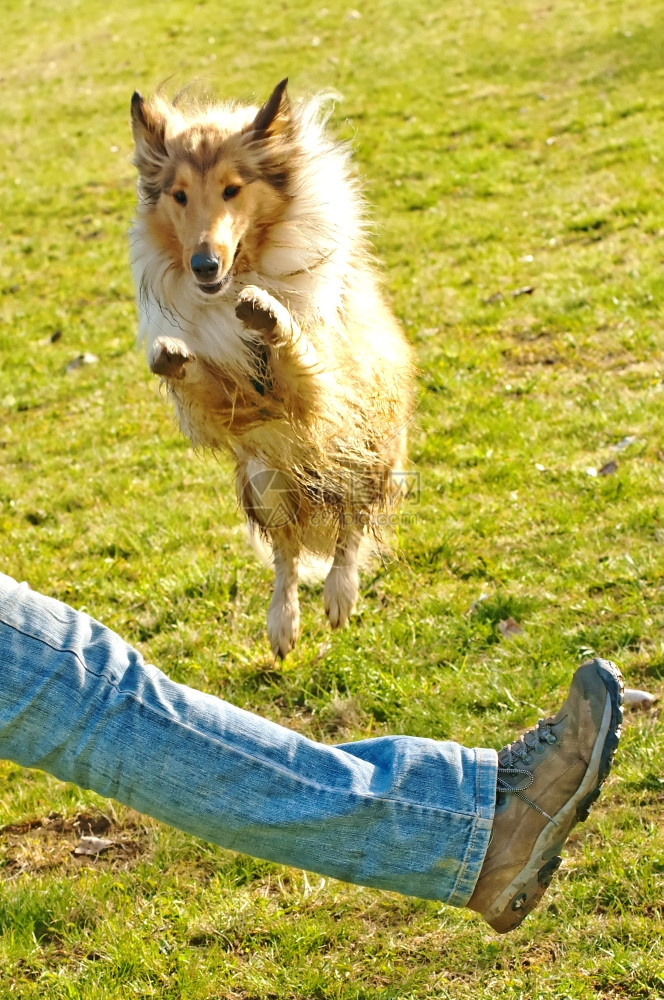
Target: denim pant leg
x=400, y=813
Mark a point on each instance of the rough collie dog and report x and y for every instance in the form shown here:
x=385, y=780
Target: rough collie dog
x=261, y=311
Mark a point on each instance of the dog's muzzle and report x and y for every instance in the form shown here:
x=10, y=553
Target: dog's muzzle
x=211, y=288
x=205, y=267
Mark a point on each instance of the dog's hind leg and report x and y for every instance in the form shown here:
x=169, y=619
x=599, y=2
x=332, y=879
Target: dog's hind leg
x=342, y=583
x=283, y=617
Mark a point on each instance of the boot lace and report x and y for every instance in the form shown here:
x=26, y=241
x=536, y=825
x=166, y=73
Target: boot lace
x=521, y=751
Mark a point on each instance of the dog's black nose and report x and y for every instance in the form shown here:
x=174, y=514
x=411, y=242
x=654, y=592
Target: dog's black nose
x=204, y=266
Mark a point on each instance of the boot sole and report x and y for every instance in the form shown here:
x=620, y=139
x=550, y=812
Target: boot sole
x=525, y=891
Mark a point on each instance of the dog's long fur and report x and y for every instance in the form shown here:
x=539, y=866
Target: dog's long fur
x=280, y=347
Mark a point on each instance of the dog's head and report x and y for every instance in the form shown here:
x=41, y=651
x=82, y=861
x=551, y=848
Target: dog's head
x=212, y=182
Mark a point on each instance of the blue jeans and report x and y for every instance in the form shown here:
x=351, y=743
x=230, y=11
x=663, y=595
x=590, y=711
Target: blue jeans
x=401, y=813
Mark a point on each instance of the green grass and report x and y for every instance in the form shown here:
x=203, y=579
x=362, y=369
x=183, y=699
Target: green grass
x=502, y=146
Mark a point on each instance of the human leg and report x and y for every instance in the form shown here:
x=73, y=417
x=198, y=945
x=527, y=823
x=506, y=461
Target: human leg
x=401, y=813
x=406, y=814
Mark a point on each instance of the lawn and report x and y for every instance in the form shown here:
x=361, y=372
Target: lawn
x=512, y=156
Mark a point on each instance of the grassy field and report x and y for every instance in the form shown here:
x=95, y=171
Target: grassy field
x=513, y=158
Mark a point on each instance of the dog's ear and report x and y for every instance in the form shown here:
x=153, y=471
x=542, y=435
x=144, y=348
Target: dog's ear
x=274, y=116
x=148, y=125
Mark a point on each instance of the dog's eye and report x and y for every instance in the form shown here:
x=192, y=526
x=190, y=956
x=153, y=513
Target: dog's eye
x=230, y=191
x=180, y=197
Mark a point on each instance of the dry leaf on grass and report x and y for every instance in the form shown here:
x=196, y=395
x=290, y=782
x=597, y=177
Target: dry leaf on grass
x=46, y=843
x=635, y=698
x=508, y=628
x=92, y=846
x=81, y=360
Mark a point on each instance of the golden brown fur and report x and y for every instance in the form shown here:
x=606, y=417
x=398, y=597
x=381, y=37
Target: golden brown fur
x=261, y=310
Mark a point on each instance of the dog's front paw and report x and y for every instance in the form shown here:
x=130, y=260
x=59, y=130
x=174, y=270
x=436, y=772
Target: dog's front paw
x=260, y=312
x=168, y=357
x=340, y=594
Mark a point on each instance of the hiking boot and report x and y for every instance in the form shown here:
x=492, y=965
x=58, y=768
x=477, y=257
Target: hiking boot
x=547, y=781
